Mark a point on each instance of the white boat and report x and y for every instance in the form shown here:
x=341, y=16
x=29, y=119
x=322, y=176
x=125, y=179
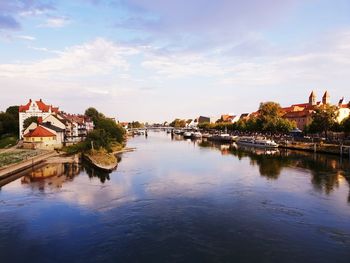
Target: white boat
x=187, y=134
x=196, y=135
x=251, y=141
x=224, y=137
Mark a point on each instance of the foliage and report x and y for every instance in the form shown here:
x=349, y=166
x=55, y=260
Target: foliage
x=8, y=141
x=106, y=130
x=177, y=123
x=76, y=148
x=8, y=124
x=93, y=114
x=345, y=124
x=136, y=125
x=323, y=119
x=14, y=111
x=29, y=121
x=99, y=138
x=270, y=118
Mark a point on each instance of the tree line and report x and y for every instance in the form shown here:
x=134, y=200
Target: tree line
x=9, y=123
x=269, y=119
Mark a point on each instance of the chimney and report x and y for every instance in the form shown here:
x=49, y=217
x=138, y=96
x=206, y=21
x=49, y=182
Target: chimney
x=341, y=102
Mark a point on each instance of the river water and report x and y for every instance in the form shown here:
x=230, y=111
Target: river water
x=175, y=200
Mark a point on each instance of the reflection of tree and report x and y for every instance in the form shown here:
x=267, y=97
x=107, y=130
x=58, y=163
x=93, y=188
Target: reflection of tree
x=270, y=165
x=327, y=171
x=94, y=172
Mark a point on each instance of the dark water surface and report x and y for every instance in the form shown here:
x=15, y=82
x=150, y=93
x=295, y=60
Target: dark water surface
x=180, y=201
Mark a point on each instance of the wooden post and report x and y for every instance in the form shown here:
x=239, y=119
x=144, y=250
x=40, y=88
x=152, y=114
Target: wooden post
x=341, y=150
x=315, y=147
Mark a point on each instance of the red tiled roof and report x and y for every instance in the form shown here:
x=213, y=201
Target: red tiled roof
x=41, y=105
x=39, y=132
x=298, y=114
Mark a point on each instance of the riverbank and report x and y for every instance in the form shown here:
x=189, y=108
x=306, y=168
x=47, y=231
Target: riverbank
x=13, y=168
x=317, y=147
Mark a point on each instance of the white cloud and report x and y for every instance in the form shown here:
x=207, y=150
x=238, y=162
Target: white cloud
x=28, y=38
x=102, y=73
x=99, y=57
x=56, y=22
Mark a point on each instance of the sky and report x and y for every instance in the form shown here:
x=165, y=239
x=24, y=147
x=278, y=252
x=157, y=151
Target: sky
x=156, y=60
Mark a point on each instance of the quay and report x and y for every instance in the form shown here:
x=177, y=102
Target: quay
x=342, y=150
x=7, y=173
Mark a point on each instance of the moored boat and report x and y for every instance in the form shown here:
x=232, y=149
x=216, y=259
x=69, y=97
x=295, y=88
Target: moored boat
x=262, y=143
x=224, y=137
x=187, y=134
x=196, y=135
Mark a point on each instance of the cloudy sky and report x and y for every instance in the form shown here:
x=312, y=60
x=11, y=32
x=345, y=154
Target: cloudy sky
x=154, y=60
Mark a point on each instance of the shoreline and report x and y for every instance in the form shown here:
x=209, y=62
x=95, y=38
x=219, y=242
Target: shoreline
x=333, y=149
x=15, y=168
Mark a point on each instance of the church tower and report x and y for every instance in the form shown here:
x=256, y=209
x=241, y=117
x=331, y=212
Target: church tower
x=326, y=98
x=312, y=99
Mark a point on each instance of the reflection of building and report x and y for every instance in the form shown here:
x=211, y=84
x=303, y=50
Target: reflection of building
x=51, y=175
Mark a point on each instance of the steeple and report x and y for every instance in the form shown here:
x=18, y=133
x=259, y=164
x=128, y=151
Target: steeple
x=312, y=99
x=341, y=102
x=326, y=98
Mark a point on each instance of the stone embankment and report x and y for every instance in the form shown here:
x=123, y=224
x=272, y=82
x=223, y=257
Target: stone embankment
x=316, y=147
x=15, y=168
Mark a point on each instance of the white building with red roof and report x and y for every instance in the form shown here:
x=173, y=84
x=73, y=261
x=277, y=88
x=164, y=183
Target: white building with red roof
x=34, y=109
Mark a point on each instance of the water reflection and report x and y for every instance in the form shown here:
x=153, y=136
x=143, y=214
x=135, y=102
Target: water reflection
x=52, y=175
x=180, y=201
x=98, y=173
x=327, y=171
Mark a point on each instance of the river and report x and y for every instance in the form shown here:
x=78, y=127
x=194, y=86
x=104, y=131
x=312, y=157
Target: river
x=175, y=200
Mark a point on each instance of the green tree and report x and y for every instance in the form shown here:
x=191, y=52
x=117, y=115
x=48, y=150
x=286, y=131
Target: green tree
x=177, y=123
x=14, y=111
x=29, y=121
x=345, y=124
x=270, y=118
x=9, y=125
x=94, y=114
x=323, y=119
x=109, y=126
x=99, y=138
x=136, y=125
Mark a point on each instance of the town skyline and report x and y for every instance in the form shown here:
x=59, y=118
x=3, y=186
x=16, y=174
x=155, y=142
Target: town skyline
x=156, y=61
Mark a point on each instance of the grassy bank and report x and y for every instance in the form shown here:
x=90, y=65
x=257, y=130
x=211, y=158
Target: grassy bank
x=16, y=156
x=8, y=141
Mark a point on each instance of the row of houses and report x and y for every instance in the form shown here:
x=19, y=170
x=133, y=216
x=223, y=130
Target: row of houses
x=53, y=129
x=300, y=113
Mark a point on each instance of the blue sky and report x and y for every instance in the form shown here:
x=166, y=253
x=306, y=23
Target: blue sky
x=154, y=60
